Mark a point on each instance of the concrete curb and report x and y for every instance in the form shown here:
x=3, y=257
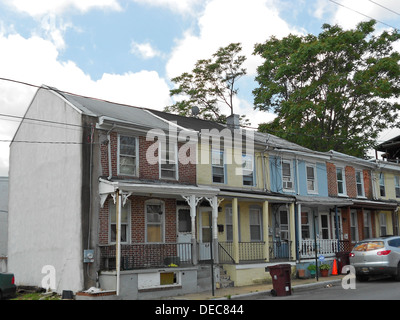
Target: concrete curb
x=296, y=288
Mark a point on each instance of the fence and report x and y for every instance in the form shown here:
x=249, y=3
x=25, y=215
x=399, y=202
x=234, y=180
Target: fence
x=146, y=255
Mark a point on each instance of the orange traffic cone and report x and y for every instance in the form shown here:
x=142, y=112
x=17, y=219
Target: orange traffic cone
x=334, y=268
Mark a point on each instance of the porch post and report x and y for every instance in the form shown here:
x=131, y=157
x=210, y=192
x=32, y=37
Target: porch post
x=118, y=239
x=300, y=236
x=192, y=200
x=235, y=227
x=214, y=203
x=266, y=230
x=292, y=231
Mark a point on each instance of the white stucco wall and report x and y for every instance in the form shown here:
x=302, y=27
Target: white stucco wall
x=3, y=216
x=45, y=196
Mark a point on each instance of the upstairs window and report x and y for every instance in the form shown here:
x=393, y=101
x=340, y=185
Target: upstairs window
x=127, y=155
x=168, y=163
x=360, y=184
x=248, y=170
x=218, y=168
x=382, y=190
x=311, y=178
x=287, y=179
x=340, y=181
x=397, y=186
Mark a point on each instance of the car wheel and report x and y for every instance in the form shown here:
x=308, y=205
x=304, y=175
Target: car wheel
x=362, y=278
x=1, y=295
x=397, y=276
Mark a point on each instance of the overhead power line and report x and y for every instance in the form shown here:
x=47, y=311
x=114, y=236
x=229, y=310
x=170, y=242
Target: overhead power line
x=378, y=4
x=360, y=13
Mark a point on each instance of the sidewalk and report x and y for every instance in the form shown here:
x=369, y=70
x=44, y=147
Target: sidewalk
x=246, y=291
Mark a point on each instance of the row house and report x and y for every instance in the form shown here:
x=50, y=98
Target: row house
x=138, y=202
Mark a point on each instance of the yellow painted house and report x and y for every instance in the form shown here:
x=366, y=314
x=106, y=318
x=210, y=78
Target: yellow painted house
x=386, y=184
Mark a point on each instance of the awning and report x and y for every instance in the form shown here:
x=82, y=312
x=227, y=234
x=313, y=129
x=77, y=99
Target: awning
x=375, y=204
x=166, y=190
x=324, y=201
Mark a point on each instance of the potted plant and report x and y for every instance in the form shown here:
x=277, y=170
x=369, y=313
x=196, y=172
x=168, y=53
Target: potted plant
x=312, y=268
x=324, y=268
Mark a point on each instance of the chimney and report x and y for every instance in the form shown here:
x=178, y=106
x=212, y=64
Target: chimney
x=233, y=121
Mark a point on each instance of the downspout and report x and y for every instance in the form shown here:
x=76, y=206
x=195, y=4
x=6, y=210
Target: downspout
x=263, y=170
x=109, y=152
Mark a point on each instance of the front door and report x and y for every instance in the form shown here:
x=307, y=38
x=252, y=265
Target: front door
x=205, y=233
x=184, y=234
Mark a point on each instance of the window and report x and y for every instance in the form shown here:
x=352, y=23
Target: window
x=382, y=222
x=168, y=163
x=229, y=224
x=360, y=184
x=305, y=225
x=287, y=180
x=184, y=221
x=248, y=169
x=340, y=181
x=353, y=226
x=382, y=185
x=397, y=186
x=125, y=215
x=128, y=155
x=311, y=178
x=154, y=221
x=367, y=224
x=255, y=224
x=218, y=169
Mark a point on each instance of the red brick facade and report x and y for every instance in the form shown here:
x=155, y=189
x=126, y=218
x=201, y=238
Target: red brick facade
x=147, y=171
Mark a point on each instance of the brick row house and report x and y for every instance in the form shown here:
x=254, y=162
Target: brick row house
x=138, y=202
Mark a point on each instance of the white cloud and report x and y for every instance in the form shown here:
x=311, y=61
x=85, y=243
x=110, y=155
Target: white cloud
x=36, y=60
x=144, y=50
x=224, y=22
x=39, y=8
x=178, y=6
x=349, y=13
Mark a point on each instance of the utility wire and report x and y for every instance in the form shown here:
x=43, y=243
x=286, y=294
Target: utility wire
x=378, y=4
x=342, y=5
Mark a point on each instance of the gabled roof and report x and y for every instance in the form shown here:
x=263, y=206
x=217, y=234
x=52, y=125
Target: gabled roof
x=114, y=111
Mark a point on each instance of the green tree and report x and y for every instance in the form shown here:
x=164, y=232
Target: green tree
x=211, y=83
x=337, y=90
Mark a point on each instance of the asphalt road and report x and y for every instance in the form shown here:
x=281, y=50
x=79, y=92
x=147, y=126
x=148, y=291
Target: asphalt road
x=374, y=289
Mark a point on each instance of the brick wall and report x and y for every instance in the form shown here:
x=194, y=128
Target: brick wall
x=138, y=228
x=332, y=183
x=147, y=171
x=350, y=176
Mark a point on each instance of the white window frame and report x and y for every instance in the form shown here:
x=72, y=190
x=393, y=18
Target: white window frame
x=246, y=171
x=163, y=161
x=343, y=181
x=289, y=178
x=257, y=211
x=127, y=224
x=354, y=224
x=314, y=167
x=213, y=165
x=397, y=186
x=361, y=182
x=136, y=156
x=161, y=223
x=382, y=224
x=382, y=184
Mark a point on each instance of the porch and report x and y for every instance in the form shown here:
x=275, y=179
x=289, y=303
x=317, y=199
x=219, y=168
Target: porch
x=325, y=247
x=255, y=251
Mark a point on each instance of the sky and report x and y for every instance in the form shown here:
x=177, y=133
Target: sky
x=127, y=51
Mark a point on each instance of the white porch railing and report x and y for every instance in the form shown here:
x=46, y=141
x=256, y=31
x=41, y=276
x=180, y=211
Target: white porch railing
x=326, y=247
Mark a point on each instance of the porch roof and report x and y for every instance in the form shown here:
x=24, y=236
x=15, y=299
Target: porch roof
x=375, y=204
x=167, y=190
x=324, y=201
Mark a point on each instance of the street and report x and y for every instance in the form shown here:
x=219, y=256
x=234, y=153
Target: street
x=374, y=289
